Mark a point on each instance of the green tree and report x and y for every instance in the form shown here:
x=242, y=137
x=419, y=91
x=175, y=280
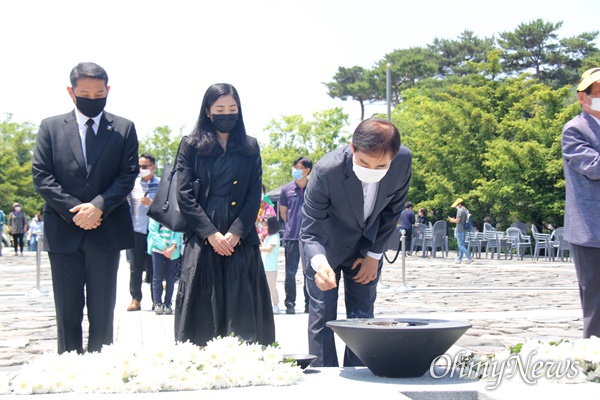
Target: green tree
x=446, y=132
x=456, y=57
x=532, y=47
x=162, y=144
x=407, y=67
x=352, y=82
x=16, y=149
x=293, y=136
x=571, y=57
x=496, y=144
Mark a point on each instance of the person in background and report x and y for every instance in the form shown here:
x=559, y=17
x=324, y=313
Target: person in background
x=422, y=219
x=2, y=221
x=581, y=163
x=291, y=200
x=266, y=209
x=407, y=220
x=461, y=233
x=164, y=246
x=84, y=165
x=270, y=256
x=223, y=288
x=17, y=226
x=141, y=197
x=36, y=229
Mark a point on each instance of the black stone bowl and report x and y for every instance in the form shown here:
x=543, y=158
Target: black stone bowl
x=398, y=347
x=303, y=360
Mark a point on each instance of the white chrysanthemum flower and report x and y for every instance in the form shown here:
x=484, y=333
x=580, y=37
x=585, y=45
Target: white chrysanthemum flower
x=261, y=374
x=272, y=355
x=281, y=376
x=240, y=376
x=22, y=384
x=587, y=349
x=223, y=363
x=297, y=374
x=502, y=356
x=255, y=349
x=218, y=378
x=107, y=380
x=187, y=352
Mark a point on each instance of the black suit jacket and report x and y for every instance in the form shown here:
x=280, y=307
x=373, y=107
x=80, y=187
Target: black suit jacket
x=245, y=191
x=333, y=211
x=60, y=177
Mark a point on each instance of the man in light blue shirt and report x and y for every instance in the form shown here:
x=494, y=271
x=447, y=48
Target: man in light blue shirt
x=141, y=197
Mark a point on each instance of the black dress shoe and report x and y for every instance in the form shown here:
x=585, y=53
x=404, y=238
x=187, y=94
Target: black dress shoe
x=290, y=310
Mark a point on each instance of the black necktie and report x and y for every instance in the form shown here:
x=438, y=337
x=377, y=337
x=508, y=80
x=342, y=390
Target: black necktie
x=90, y=136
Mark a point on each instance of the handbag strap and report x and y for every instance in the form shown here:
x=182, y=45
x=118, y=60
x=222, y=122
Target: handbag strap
x=165, y=205
x=176, y=157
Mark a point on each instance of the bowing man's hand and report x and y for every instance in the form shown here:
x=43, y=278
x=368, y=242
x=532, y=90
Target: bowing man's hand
x=87, y=216
x=220, y=244
x=368, y=270
x=325, y=277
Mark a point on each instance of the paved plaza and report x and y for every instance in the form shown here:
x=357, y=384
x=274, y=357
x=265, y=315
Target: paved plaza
x=506, y=301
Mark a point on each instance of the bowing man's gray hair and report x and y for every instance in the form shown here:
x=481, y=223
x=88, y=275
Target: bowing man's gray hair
x=376, y=136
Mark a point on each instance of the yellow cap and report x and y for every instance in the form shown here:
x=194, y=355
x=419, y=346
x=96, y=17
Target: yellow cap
x=590, y=76
x=457, y=202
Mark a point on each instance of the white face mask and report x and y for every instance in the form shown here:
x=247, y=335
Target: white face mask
x=368, y=175
x=595, y=103
x=145, y=172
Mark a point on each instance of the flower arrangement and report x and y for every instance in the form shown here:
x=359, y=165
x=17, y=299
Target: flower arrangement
x=223, y=363
x=563, y=361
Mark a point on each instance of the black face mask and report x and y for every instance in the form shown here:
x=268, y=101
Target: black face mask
x=90, y=107
x=225, y=122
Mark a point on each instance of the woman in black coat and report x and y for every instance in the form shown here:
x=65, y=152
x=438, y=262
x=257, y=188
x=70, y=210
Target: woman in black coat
x=223, y=288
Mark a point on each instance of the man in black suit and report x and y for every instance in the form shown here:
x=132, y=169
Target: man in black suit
x=351, y=206
x=84, y=166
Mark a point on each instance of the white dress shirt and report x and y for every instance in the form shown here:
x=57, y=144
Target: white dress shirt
x=369, y=195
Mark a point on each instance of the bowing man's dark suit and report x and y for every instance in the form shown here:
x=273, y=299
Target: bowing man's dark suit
x=333, y=225
x=85, y=258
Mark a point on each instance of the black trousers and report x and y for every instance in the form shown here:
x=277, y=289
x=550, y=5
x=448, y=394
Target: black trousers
x=360, y=303
x=292, y=259
x=587, y=266
x=407, y=239
x=140, y=261
x=87, y=276
x=18, y=241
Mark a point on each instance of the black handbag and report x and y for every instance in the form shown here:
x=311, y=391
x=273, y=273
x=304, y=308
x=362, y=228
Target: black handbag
x=165, y=207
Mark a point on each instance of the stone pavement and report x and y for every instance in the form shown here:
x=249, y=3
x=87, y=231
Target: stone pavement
x=506, y=301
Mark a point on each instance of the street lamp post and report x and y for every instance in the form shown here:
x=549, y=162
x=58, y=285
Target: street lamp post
x=388, y=91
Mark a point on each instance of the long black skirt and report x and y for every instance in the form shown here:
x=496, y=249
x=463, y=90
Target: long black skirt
x=220, y=296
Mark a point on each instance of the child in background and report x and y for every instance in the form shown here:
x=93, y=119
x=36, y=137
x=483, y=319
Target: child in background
x=262, y=229
x=164, y=246
x=266, y=209
x=270, y=257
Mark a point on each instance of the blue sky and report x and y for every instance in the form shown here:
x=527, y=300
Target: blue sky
x=161, y=56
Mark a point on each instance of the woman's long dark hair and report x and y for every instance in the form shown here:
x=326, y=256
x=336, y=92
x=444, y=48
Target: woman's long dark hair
x=204, y=135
